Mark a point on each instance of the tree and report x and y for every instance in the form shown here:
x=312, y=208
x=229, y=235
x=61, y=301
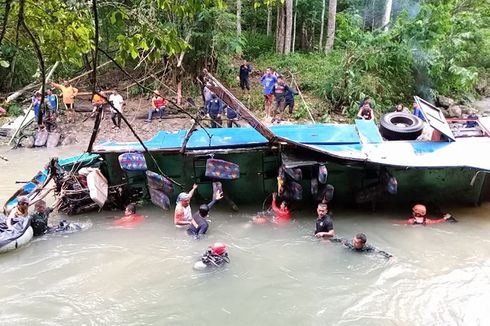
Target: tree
x=288, y=29
x=322, y=23
x=387, y=14
x=332, y=16
x=239, y=17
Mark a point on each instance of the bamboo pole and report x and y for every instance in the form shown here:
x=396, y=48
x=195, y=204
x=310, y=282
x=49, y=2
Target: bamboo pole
x=302, y=98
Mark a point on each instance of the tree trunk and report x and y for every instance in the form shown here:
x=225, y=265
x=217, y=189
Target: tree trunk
x=322, y=25
x=387, y=15
x=269, y=20
x=293, y=46
x=280, y=29
x=288, y=26
x=304, y=35
x=239, y=17
x=332, y=15
x=373, y=14
x=5, y=20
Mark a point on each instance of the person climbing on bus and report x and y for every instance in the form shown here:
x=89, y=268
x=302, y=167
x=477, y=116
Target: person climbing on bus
x=183, y=212
x=366, y=112
x=417, y=111
x=279, y=215
x=130, y=217
x=324, y=223
x=199, y=225
x=215, y=256
x=419, y=217
x=359, y=244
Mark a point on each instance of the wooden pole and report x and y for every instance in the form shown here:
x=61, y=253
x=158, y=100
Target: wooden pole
x=302, y=98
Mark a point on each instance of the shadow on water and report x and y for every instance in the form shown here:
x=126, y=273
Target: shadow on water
x=278, y=274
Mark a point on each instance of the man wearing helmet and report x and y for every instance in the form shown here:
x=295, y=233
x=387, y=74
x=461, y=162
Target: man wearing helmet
x=215, y=256
x=419, y=216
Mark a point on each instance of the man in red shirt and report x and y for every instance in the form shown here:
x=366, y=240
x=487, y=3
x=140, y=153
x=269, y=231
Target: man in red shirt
x=280, y=214
x=419, y=216
x=158, y=105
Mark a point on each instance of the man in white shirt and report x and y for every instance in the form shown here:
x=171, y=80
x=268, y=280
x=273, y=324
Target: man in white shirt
x=118, y=102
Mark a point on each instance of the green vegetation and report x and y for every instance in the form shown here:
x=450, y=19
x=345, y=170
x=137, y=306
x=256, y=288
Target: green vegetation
x=429, y=47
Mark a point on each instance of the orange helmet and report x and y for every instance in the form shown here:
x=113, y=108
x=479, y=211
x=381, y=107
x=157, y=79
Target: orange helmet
x=218, y=248
x=420, y=209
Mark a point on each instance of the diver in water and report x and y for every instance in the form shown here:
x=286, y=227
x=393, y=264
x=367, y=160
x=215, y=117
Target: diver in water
x=419, y=217
x=215, y=256
x=358, y=244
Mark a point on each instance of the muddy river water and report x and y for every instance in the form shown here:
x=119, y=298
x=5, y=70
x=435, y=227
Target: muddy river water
x=440, y=274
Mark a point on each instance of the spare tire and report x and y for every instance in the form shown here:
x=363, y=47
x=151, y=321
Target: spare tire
x=400, y=126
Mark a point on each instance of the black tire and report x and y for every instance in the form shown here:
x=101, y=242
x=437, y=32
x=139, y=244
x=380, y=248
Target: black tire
x=400, y=126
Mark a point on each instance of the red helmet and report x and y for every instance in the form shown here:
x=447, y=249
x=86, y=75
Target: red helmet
x=420, y=209
x=218, y=248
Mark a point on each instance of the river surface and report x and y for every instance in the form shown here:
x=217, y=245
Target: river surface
x=440, y=274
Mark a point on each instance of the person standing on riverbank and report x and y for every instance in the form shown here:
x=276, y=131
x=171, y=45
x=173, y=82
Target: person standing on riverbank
x=280, y=90
x=69, y=94
x=245, y=70
x=118, y=102
x=214, y=110
x=52, y=102
x=268, y=80
x=324, y=223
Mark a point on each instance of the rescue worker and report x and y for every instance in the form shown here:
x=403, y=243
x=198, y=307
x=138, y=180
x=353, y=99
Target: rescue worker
x=19, y=212
x=324, y=223
x=279, y=214
x=419, y=216
x=214, y=109
x=215, y=256
x=39, y=219
x=130, y=217
x=183, y=213
x=199, y=225
x=358, y=244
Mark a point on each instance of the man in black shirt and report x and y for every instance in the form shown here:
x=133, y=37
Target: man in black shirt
x=245, y=70
x=358, y=244
x=324, y=224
